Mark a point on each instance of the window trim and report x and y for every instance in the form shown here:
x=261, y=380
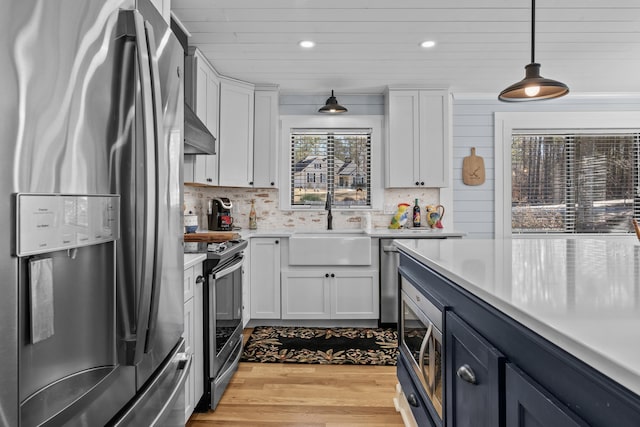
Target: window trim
x=374, y=122
x=506, y=122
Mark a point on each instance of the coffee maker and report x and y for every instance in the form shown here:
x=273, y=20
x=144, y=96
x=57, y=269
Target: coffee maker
x=219, y=214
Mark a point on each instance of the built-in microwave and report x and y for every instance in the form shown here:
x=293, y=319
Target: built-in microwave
x=421, y=325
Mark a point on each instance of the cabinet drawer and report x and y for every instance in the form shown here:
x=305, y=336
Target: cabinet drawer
x=410, y=391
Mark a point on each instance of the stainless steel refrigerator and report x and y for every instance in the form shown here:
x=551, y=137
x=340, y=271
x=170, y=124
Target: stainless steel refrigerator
x=91, y=257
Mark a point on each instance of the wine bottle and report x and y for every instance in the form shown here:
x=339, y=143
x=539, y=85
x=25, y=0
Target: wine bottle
x=416, y=214
x=253, y=222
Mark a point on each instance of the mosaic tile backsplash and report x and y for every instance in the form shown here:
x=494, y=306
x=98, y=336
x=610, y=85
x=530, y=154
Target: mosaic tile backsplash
x=270, y=217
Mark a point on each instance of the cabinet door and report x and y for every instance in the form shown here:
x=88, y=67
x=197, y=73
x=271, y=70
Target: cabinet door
x=189, y=391
x=265, y=278
x=306, y=295
x=205, y=169
x=473, y=368
x=189, y=283
x=246, y=287
x=202, y=89
x=265, y=139
x=355, y=295
x=434, y=144
x=197, y=365
x=529, y=405
x=402, y=150
x=236, y=135
x=212, y=102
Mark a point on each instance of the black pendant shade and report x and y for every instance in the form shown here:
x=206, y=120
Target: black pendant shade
x=332, y=106
x=533, y=87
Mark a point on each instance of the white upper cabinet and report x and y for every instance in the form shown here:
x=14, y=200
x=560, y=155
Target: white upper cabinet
x=202, y=89
x=164, y=7
x=418, y=138
x=265, y=137
x=236, y=133
x=202, y=94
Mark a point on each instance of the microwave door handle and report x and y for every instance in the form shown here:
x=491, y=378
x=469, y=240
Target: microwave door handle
x=432, y=366
x=148, y=201
x=423, y=348
x=155, y=159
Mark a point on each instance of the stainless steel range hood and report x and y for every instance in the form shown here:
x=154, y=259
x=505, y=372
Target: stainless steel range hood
x=197, y=138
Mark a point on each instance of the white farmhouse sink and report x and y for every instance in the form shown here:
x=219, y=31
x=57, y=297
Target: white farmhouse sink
x=343, y=232
x=330, y=247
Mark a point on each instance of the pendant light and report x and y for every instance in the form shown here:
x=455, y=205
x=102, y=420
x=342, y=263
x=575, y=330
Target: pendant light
x=332, y=106
x=533, y=87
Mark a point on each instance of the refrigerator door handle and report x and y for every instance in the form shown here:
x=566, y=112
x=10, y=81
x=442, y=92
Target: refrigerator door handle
x=157, y=153
x=149, y=230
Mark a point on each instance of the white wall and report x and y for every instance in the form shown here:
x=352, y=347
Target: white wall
x=473, y=122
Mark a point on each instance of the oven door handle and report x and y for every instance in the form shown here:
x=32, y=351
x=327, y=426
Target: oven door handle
x=423, y=348
x=235, y=266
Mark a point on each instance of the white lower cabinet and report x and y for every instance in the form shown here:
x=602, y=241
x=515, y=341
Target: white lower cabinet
x=265, y=278
x=355, y=295
x=193, y=337
x=330, y=294
x=189, y=384
x=306, y=295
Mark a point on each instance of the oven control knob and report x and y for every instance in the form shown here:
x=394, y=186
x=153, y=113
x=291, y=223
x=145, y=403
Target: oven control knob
x=466, y=374
x=413, y=401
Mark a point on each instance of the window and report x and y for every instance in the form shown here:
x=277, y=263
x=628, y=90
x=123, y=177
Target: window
x=574, y=182
x=336, y=161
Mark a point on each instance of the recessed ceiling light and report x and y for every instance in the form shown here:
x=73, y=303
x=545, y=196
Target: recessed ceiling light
x=427, y=44
x=307, y=44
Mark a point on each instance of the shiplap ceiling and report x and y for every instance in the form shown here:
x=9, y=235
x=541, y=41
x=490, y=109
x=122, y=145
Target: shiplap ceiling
x=364, y=45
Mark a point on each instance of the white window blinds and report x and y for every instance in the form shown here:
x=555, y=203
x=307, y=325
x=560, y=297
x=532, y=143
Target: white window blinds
x=575, y=183
x=331, y=160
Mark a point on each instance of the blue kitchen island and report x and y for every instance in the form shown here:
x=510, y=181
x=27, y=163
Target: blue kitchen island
x=535, y=332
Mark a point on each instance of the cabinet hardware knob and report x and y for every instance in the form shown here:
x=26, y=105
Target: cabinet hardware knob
x=422, y=183
x=277, y=241
x=200, y=279
x=333, y=275
x=413, y=400
x=466, y=374
x=209, y=179
x=273, y=183
x=326, y=275
x=250, y=182
x=417, y=183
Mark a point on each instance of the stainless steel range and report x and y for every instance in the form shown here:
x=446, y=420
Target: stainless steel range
x=222, y=315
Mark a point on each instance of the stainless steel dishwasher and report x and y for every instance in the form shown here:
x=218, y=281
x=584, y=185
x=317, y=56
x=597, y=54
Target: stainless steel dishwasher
x=389, y=259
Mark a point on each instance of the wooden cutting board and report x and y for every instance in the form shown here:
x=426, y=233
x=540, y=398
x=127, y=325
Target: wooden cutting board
x=473, y=169
x=211, y=236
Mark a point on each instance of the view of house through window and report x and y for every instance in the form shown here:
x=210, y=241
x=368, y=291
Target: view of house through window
x=331, y=160
x=574, y=182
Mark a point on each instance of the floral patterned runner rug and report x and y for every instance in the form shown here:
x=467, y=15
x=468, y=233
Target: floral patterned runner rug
x=354, y=346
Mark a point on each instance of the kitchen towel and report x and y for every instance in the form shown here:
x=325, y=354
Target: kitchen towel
x=41, y=295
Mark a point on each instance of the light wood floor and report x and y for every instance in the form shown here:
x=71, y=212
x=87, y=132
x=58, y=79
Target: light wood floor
x=274, y=394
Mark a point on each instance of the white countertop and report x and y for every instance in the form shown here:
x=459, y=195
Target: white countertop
x=582, y=294
x=192, y=259
x=405, y=233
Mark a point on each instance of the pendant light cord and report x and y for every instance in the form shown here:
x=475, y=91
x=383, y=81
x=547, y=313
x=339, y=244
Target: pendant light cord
x=533, y=30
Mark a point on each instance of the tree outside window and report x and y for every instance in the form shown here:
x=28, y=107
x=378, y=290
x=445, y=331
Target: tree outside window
x=574, y=183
